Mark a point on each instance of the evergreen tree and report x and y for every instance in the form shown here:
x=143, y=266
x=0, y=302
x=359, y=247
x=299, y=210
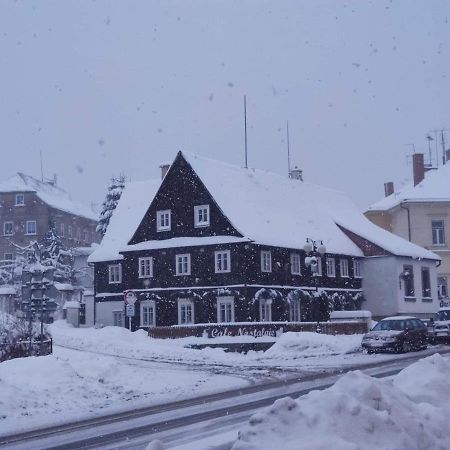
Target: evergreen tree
x=109, y=205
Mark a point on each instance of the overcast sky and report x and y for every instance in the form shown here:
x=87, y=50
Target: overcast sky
x=103, y=87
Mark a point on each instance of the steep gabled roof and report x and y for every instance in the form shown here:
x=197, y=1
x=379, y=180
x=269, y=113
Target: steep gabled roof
x=133, y=204
x=274, y=210
x=264, y=207
x=435, y=187
x=50, y=194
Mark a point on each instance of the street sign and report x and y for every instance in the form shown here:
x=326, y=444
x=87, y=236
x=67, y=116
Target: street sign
x=130, y=298
x=130, y=310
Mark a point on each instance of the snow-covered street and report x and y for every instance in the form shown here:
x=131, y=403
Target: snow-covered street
x=110, y=370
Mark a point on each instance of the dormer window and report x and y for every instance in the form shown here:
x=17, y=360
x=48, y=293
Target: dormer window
x=163, y=221
x=201, y=215
x=20, y=200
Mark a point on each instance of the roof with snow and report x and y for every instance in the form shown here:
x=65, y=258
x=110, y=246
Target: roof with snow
x=50, y=194
x=264, y=207
x=435, y=187
x=130, y=210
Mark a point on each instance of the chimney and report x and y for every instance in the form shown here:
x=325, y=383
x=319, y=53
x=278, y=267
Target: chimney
x=388, y=188
x=164, y=169
x=447, y=155
x=296, y=174
x=418, y=168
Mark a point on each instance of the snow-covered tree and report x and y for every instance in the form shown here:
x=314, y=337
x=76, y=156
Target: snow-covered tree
x=52, y=253
x=109, y=205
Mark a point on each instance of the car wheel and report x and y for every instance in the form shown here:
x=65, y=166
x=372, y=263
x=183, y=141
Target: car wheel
x=406, y=347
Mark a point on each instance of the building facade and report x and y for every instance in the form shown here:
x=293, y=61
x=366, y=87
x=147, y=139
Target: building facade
x=420, y=213
x=28, y=206
x=214, y=243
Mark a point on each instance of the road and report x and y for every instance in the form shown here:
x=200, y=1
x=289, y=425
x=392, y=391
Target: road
x=207, y=422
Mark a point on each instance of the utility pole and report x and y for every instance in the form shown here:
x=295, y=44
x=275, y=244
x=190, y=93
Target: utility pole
x=245, y=130
x=288, y=149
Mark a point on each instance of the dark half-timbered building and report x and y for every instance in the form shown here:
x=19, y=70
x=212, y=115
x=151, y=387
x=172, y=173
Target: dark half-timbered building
x=216, y=243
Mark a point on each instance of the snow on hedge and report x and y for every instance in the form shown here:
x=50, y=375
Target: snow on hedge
x=410, y=412
x=306, y=344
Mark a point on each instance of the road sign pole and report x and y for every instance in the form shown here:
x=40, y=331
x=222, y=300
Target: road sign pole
x=129, y=323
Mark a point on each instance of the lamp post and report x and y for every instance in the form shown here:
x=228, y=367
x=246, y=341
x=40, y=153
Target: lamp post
x=314, y=249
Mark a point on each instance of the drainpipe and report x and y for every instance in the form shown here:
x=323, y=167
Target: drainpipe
x=409, y=220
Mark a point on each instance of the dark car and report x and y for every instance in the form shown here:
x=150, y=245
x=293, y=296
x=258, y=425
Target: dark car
x=397, y=334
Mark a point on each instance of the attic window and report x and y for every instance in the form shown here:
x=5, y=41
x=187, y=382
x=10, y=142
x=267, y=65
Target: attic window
x=20, y=200
x=163, y=220
x=201, y=215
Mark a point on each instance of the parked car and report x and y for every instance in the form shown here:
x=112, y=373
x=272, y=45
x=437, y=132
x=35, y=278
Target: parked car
x=441, y=327
x=397, y=334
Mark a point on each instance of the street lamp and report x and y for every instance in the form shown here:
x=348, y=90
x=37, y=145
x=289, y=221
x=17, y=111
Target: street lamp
x=313, y=248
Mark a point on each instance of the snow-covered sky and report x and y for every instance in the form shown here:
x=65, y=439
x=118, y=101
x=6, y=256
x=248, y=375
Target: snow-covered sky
x=103, y=87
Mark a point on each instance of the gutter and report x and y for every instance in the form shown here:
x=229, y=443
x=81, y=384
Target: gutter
x=409, y=220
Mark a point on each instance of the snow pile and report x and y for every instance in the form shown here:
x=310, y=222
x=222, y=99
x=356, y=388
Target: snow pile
x=411, y=412
x=307, y=344
x=290, y=349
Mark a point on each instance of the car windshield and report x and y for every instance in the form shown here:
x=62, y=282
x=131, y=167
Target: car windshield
x=390, y=325
x=443, y=315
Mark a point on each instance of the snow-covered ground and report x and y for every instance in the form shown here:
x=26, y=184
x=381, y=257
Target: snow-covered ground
x=98, y=371
x=408, y=412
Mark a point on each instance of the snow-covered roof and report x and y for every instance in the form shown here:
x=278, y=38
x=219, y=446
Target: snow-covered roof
x=264, y=207
x=274, y=210
x=84, y=251
x=435, y=187
x=130, y=210
x=49, y=193
x=399, y=318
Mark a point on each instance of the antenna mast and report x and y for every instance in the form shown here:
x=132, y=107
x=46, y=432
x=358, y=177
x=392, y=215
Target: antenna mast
x=42, y=170
x=288, y=149
x=245, y=130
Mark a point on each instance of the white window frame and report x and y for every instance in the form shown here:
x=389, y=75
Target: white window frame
x=183, y=256
x=115, y=273
x=265, y=310
x=266, y=261
x=185, y=302
x=147, y=304
x=295, y=310
x=296, y=264
x=27, y=223
x=440, y=237
x=319, y=267
x=357, y=266
x=69, y=231
x=145, y=267
x=201, y=209
x=8, y=222
x=226, y=302
x=343, y=268
x=167, y=225
x=218, y=261
x=22, y=203
x=116, y=316
x=331, y=266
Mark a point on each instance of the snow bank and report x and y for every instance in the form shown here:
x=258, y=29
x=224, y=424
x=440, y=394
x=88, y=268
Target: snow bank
x=358, y=412
x=307, y=344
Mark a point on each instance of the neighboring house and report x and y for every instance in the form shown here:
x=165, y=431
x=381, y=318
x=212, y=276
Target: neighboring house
x=218, y=243
x=420, y=212
x=27, y=206
x=8, y=299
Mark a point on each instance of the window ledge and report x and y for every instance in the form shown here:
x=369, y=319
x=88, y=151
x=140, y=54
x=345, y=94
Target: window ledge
x=410, y=299
x=427, y=299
